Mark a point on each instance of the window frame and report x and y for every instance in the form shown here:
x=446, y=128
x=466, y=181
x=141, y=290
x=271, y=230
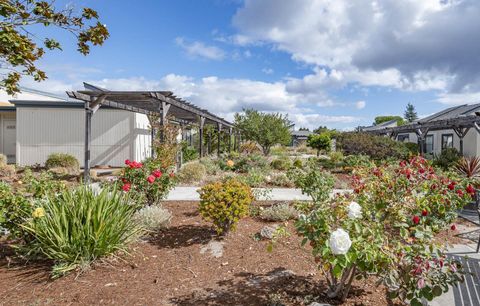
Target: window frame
x=426, y=143
x=444, y=144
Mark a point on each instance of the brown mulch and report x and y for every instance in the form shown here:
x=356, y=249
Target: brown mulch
x=169, y=269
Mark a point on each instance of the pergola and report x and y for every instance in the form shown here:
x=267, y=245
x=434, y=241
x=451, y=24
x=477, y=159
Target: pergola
x=154, y=104
x=460, y=125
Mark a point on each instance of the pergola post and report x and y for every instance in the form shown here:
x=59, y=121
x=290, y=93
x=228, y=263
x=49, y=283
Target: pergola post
x=88, y=138
x=229, y=140
x=461, y=133
x=163, y=120
x=219, y=127
x=200, y=136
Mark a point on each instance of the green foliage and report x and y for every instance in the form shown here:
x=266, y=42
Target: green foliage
x=298, y=163
x=336, y=157
x=377, y=147
x=280, y=180
x=246, y=163
x=224, y=204
x=388, y=226
x=447, y=159
x=148, y=183
x=355, y=161
x=153, y=217
x=281, y=163
x=313, y=182
x=279, y=212
x=189, y=153
x=410, y=113
x=320, y=142
x=382, y=119
x=412, y=147
x=469, y=167
x=192, y=172
x=264, y=128
x=78, y=226
x=211, y=166
x=254, y=178
x=42, y=185
x=20, y=52
x=63, y=160
x=3, y=160
x=14, y=209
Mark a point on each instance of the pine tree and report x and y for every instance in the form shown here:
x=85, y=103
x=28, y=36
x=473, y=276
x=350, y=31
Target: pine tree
x=410, y=113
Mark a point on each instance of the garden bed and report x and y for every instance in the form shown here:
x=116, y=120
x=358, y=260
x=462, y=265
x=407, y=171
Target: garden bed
x=169, y=269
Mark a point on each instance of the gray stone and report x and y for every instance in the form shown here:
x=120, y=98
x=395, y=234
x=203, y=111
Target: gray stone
x=267, y=232
x=215, y=248
x=318, y=304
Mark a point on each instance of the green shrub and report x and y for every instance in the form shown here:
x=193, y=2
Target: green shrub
x=336, y=157
x=7, y=170
x=412, y=147
x=153, y=217
x=447, y=159
x=192, y=172
x=281, y=180
x=254, y=178
x=315, y=183
x=42, y=185
x=282, y=163
x=251, y=161
x=3, y=160
x=357, y=161
x=63, y=160
x=211, y=166
x=78, y=226
x=279, y=212
x=224, y=204
x=320, y=142
x=14, y=210
x=377, y=147
x=189, y=153
x=298, y=163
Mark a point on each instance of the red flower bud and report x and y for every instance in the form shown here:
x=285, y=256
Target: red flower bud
x=415, y=219
x=126, y=187
x=470, y=189
x=151, y=179
x=157, y=173
x=424, y=212
x=127, y=162
x=453, y=227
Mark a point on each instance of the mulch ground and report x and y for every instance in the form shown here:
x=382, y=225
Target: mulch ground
x=169, y=269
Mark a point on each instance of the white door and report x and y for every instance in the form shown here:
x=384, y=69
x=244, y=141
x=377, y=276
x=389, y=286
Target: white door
x=9, y=139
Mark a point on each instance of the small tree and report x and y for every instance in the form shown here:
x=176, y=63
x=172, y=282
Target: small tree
x=410, y=113
x=19, y=52
x=264, y=128
x=320, y=142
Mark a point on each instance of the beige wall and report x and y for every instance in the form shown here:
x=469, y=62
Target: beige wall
x=42, y=131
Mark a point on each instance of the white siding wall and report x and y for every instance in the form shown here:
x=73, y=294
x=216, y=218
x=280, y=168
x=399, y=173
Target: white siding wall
x=42, y=131
x=143, y=138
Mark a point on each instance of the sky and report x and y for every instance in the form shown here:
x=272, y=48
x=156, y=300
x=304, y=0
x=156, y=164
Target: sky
x=337, y=63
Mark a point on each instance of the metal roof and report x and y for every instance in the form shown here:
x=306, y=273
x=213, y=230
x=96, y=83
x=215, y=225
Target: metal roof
x=452, y=113
x=148, y=102
x=390, y=123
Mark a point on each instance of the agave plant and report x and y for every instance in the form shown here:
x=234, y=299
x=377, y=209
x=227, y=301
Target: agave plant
x=469, y=167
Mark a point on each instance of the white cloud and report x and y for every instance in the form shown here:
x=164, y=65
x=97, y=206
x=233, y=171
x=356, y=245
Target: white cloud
x=360, y=104
x=199, y=49
x=267, y=70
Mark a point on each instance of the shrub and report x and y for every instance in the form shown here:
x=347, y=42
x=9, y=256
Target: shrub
x=148, y=183
x=153, y=217
x=42, y=185
x=279, y=212
x=14, y=210
x=313, y=182
x=211, y=166
x=282, y=163
x=355, y=161
x=280, y=180
x=447, y=158
x=254, y=178
x=385, y=229
x=336, y=157
x=192, y=172
x=79, y=226
x=320, y=142
x=297, y=163
x=469, y=167
x=224, y=203
x=250, y=147
x=3, y=160
x=62, y=160
x=377, y=147
x=189, y=153
x=252, y=161
x=7, y=170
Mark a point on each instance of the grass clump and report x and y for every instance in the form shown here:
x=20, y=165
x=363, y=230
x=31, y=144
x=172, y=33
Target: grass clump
x=192, y=172
x=62, y=160
x=153, y=217
x=279, y=212
x=78, y=227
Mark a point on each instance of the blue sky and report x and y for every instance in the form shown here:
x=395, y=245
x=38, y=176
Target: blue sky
x=322, y=62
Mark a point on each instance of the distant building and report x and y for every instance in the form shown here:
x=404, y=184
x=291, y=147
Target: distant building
x=298, y=137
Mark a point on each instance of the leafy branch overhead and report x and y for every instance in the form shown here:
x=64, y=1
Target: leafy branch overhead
x=20, y=48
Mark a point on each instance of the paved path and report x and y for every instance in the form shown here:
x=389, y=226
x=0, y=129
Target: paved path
x=274, y=194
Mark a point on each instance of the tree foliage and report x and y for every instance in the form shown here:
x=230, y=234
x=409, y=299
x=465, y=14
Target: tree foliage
x=264, y=128
x=410, y=113
x=320, y=142
x=382, y=119
x=20, y=48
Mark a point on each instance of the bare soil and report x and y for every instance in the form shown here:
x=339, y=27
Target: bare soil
x=168, y=269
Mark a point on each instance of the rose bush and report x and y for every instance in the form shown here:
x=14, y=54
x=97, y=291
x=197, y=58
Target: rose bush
x=147, y=183
x=386, y=228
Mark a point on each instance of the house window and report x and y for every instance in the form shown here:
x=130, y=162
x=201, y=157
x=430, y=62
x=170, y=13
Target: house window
x=403, y=138
x=447, y=141
x=429, y=144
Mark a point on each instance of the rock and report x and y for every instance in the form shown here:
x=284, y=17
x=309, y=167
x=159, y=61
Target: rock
x=318, y=304
x=215, y=248
x=267, y=232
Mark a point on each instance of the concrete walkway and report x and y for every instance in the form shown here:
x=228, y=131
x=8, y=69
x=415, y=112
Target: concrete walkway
x=274, y=194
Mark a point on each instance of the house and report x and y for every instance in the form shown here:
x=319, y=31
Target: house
x=455, y=127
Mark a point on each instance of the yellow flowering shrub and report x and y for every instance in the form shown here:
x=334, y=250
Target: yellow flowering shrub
x=225, y=203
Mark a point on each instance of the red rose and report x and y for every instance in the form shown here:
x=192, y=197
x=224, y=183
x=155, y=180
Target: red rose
x=139, y=165
x=127, y=162
x=424, y=212
x=451, y=186
x=460, y=193
x=172, y=174
x=421, y=170
x=151, y=179
x=157, y=173
x=415, y=219
x=470, y=189
x=126, y=187
x=403, y=163
x=453, y=227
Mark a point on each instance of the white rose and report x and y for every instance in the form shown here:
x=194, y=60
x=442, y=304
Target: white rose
x=339, y=242
x=354, y=210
